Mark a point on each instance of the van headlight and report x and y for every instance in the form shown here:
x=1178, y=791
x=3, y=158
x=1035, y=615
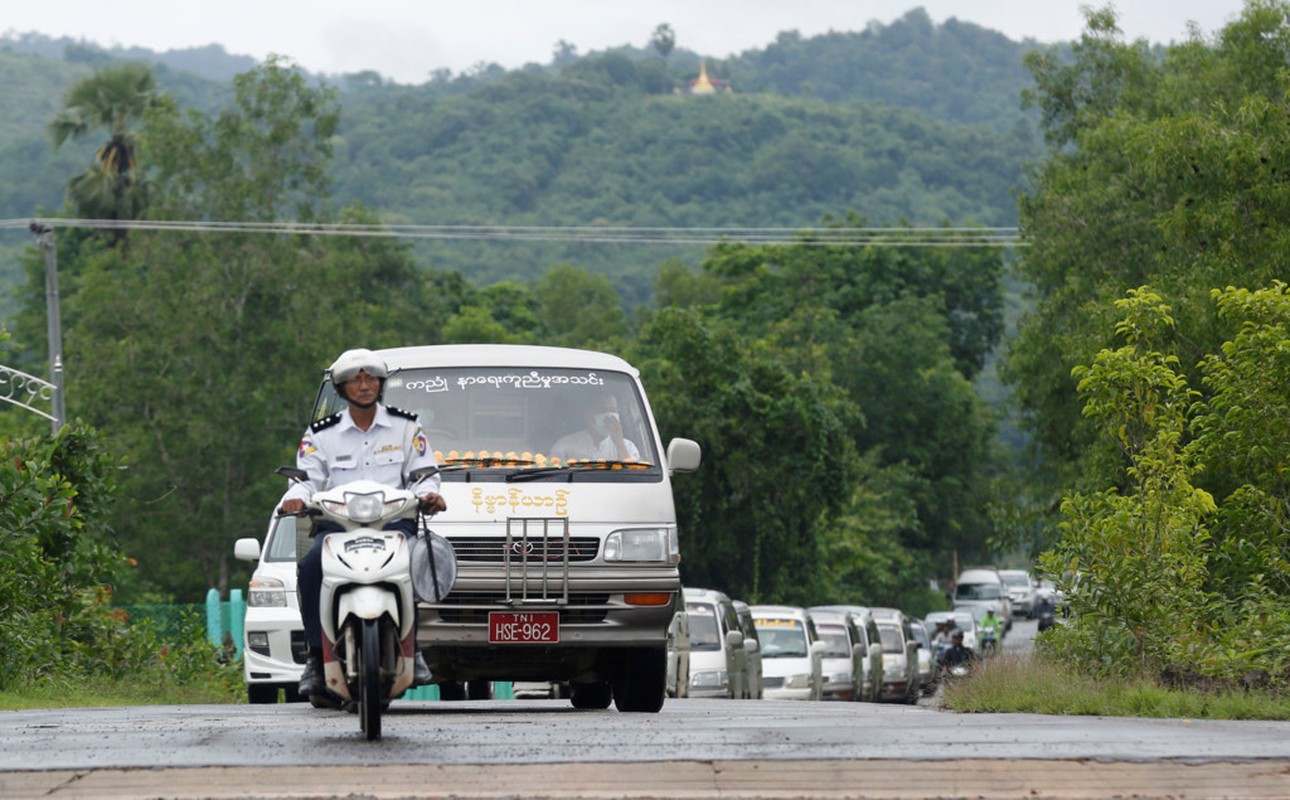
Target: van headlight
x=658, y=545
x=799, y=681
x=709, y=679
x=266, y=593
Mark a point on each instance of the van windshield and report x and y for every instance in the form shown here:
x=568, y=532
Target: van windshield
x=893, y=641
x=781, y=638
x=836, y=642
x=704, y=632
x=547, y=421
x=976, y=591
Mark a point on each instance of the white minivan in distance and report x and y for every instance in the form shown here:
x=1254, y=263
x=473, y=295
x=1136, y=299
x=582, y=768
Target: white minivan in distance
x=752, y=651
x=716, y=645
x=791, y=653
x=982, y=588
x=900, y=682
x=841, y=662
x=274, y=648
x=567, y=554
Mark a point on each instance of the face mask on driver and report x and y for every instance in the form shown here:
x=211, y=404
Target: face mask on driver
x=602, y=422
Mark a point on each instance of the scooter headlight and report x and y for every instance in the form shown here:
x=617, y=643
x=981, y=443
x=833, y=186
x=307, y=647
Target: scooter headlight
x=364, y=508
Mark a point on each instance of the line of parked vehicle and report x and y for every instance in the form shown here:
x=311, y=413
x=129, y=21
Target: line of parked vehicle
x=722, y=647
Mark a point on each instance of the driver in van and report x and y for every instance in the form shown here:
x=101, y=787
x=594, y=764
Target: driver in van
x=367, y=440
x=601, y=435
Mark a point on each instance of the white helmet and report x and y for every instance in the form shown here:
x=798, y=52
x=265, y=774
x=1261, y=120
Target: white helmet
x=351, y=362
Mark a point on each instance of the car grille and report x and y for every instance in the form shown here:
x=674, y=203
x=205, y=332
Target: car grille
x=471, y=608
x=299, y=649
x=771, y=683
x=534, y=549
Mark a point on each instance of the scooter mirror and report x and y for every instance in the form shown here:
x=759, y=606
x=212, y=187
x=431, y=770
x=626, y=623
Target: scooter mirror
x=294, y=473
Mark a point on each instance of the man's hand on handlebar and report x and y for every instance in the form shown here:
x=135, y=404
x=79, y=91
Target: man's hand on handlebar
x=292, y=507
x=431, y=503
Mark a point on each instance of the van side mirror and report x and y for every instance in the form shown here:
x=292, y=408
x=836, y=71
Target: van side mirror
x=818, y=648
x=246, y=549
x=683, y=455
x=734, y=640
x=752, y=646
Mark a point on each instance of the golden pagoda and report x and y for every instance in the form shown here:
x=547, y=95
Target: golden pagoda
x=703, y=84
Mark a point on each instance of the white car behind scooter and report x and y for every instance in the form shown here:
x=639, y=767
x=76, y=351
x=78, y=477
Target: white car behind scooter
x=367, y=603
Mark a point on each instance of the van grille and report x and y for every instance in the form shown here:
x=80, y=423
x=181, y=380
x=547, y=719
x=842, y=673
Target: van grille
x=493, y=550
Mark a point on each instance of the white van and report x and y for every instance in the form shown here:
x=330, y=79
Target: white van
x=567, y=563
x=716, y=645
x=900, y=680
x=791, y=653
x=982, y=588
x=844, y=654
x=752, y=651
x=869, y=640
x=274, y=649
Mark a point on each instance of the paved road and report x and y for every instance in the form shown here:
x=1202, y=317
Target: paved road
x=693, y=748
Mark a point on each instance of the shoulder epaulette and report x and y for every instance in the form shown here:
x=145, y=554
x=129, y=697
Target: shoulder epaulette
x=325, y=423
x=398, y=412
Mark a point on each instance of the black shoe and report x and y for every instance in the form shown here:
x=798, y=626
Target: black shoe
x=311, y=680
x=421, y=671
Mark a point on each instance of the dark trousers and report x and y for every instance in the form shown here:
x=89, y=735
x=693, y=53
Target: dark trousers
x=309, y=578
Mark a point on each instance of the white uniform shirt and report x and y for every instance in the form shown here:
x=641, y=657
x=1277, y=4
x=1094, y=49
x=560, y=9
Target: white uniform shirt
x=335, y=451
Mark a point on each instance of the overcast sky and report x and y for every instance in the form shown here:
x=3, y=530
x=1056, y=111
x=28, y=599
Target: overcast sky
x=408, y=39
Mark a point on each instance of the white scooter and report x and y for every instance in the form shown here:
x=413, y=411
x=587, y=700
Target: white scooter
x=367, y=604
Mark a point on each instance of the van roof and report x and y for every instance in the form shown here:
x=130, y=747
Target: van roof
x=863, y=611
x=778, y=611
x=976, y=574
x=826, y=615
x=501, y=355
x=887, y=614
x=693, y=593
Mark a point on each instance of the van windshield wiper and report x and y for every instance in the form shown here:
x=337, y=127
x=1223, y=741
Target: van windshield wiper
x=482, y=462
x=576, y=466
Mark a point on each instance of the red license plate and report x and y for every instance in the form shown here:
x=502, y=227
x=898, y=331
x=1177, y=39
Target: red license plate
x=523, y=627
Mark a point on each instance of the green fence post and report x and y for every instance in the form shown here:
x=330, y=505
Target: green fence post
x=236, y=618
x=214, y=625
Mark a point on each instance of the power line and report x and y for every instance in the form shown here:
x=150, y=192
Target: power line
x=925, y=236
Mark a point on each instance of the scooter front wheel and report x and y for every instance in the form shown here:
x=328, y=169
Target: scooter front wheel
x=369, y=680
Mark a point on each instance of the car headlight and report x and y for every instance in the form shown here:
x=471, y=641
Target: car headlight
x=800, y=681
x=266, y=593
x=709, y=679
x=643, y=544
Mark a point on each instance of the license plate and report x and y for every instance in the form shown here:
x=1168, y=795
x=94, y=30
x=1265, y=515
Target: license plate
x=523, y=627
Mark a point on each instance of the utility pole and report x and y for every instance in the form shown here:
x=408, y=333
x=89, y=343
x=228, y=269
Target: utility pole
x=45, y=238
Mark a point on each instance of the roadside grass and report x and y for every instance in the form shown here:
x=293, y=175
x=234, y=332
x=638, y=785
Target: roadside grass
x=1032, y=685
x=103, y=692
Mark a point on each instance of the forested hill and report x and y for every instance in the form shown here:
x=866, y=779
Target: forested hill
x=909, y=122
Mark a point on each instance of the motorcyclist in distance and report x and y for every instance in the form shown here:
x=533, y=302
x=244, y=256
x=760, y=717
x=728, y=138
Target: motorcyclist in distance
x=991, y=630
x=957, y=654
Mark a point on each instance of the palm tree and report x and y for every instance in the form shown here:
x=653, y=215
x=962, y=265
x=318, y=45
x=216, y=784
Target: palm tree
x=115, y=99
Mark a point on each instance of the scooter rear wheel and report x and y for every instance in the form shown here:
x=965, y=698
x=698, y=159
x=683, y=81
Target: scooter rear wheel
x=369, y=680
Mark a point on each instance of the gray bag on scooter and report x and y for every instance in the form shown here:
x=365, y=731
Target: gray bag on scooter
x=434, y=567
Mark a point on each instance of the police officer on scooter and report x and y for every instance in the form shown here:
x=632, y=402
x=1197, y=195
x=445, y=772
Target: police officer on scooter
x=367, y=440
